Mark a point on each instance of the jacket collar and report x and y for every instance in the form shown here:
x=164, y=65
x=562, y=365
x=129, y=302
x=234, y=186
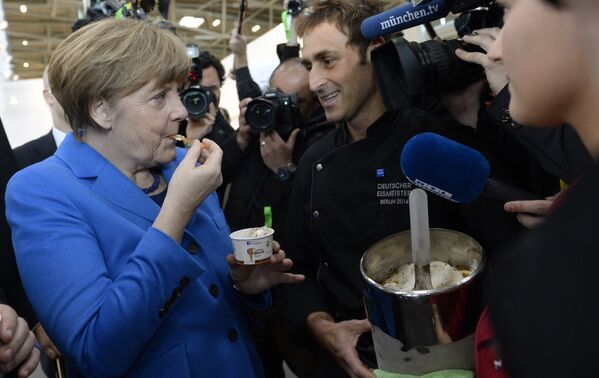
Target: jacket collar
x=111, y=184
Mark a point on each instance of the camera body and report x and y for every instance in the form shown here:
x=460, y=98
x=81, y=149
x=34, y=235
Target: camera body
x=274, y=110
x=295, y=7
x=196, y=98
x=409, y=72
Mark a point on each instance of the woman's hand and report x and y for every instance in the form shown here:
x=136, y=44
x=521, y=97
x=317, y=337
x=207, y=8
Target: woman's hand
x=494, y=68
x=198, y=175
x=192, y=182
x=253, y=279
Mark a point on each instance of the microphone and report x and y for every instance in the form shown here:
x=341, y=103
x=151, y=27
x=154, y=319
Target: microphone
x=454, y=171
x=403, y=17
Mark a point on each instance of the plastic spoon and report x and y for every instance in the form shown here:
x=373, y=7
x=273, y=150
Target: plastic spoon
x=186, y=141
x=421, y=244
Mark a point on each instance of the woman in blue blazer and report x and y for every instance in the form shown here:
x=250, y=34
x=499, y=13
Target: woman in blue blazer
x=119, y=238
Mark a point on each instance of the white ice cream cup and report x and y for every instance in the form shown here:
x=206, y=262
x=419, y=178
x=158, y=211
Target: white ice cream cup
x=252, y=245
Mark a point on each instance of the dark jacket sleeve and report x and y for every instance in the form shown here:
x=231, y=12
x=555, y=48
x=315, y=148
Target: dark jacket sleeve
x=306, y=297
x=11, y=289
x=232, y=158
x=558, y=150
x=246, y=86
x=285, y=51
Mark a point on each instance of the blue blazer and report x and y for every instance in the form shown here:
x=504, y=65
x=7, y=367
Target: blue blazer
x=117, y=296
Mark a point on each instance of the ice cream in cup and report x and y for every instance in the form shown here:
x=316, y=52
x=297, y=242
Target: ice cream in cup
x=252, y=245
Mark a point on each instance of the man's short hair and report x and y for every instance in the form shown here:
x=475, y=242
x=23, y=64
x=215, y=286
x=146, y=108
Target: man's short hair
x=111, y=58
x=346, y=15
x=206, y=60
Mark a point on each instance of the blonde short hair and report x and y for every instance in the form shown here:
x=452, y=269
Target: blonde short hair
x=111, y=58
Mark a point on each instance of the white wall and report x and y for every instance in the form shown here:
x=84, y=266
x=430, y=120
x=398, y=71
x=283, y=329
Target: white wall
x=24, y=112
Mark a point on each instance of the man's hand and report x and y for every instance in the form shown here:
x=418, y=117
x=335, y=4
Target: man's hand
x=530, y=213
x=253, y=279
x=47, y=345
x=199, y=128
x=17, y=343
x=464, y=105
x=494, y=68
x=340, y=340
x=244, y=133
x=276, y=153
x=238, y=45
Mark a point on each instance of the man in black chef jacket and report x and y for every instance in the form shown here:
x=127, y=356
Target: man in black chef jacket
x=350, y=191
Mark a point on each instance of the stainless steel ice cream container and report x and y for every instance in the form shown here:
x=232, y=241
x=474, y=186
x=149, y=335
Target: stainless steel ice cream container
x=417, y=332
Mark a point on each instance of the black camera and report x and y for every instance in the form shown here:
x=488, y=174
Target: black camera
x=295, y=7
x=196, y=98
x=273, y=111
x=409, y=72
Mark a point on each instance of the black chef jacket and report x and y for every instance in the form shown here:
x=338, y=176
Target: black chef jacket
x=349, y=195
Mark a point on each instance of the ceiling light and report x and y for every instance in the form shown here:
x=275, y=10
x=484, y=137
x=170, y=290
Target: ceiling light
x=216, y=22
x=26, y=65
x=25, y=42
x=3, y=24
x=443, y=21
x=23, y=8
x=255, y=28
x=191, y=22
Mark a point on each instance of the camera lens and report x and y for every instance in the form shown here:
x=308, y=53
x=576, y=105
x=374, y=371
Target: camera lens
x=409, y=71
x=261, y=115
x=196, y=101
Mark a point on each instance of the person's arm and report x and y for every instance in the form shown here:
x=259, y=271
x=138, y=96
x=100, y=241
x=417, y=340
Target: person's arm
x=290, y=49
x=340, y=340
x=17, y=344
x=246, y=86
x=236, y=146
x=102, y=320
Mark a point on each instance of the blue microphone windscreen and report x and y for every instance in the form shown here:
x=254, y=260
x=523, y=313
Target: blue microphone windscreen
x=403, y=17
x=445, y=167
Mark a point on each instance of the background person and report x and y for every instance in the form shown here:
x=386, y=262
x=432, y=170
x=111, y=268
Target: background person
x=213, y=125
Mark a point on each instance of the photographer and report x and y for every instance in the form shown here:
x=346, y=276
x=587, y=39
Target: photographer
x=212, y=124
